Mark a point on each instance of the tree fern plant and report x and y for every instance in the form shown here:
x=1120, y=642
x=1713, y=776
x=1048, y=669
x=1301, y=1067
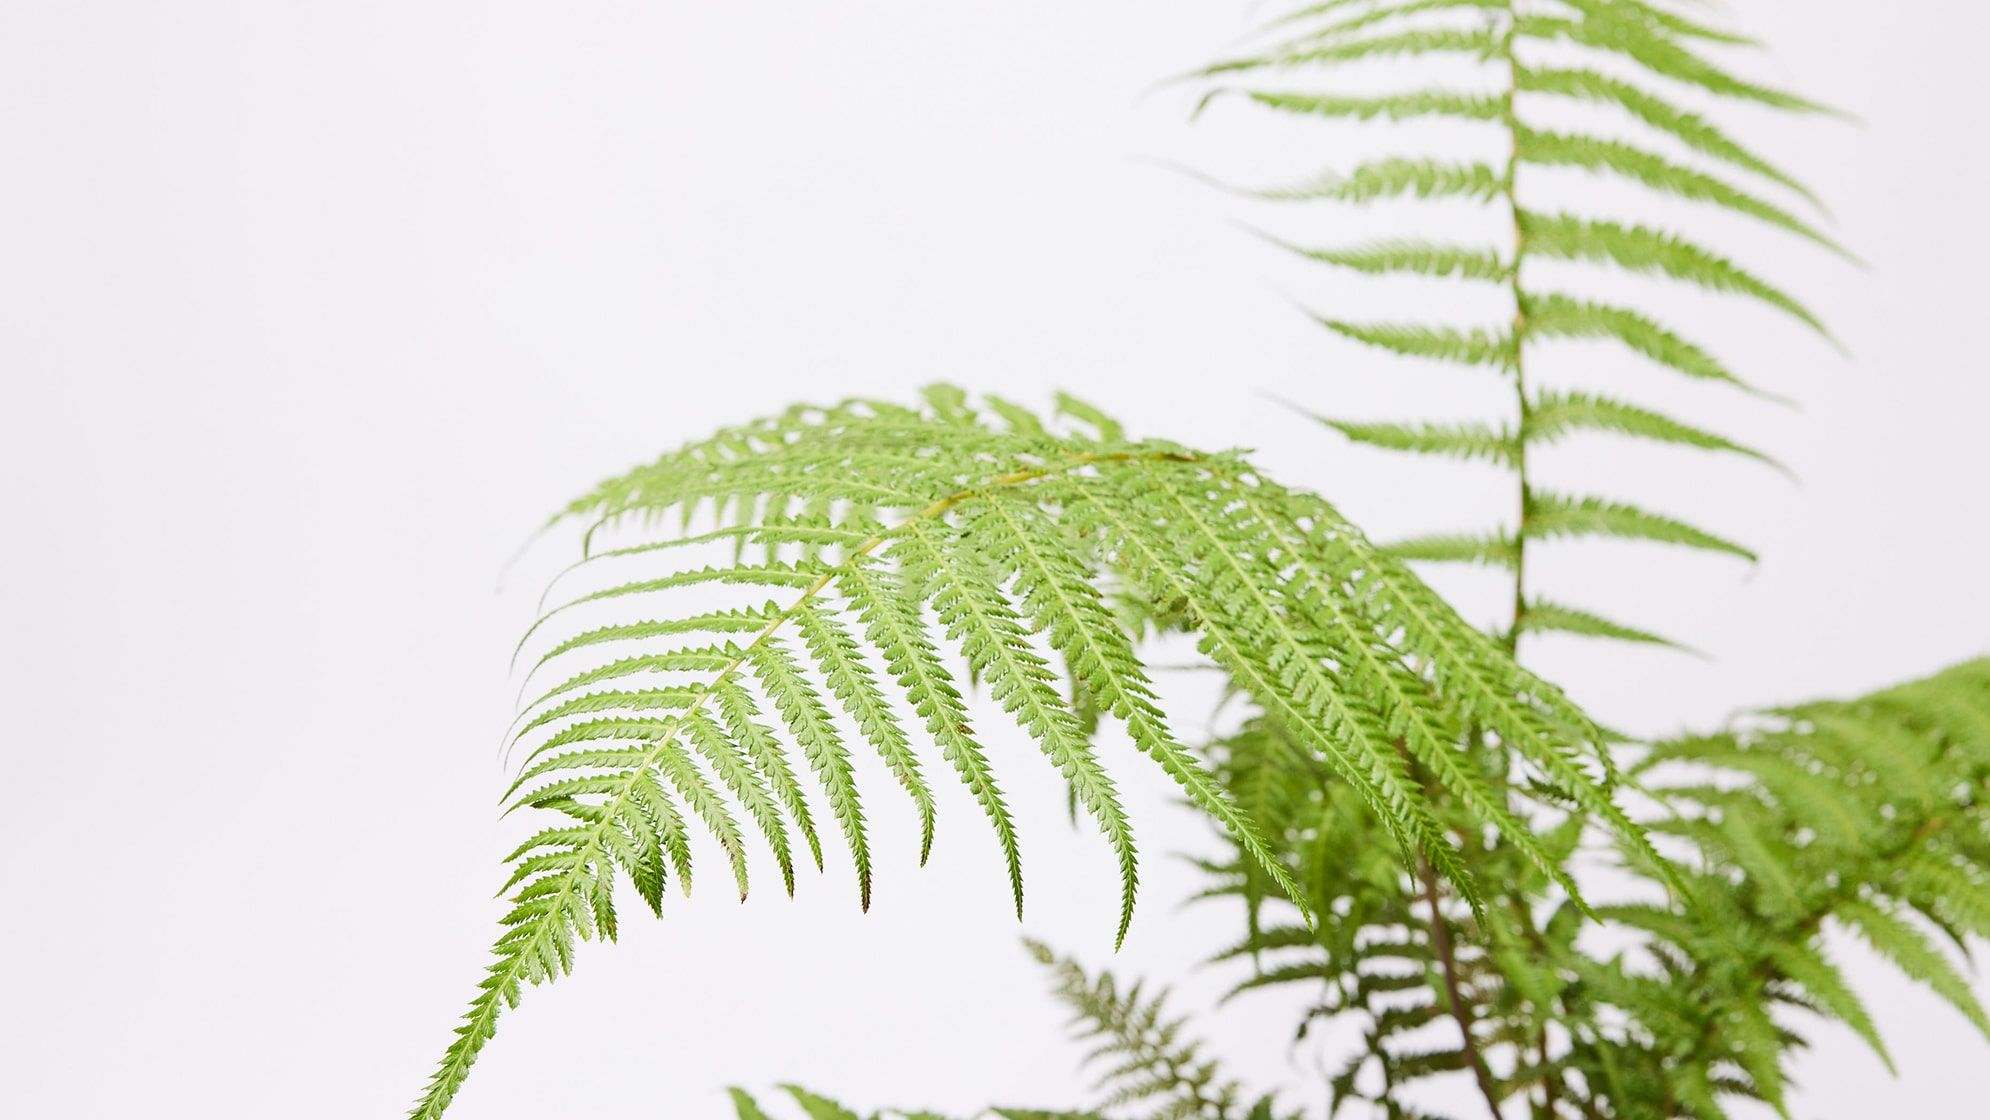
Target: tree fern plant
x=1429, y=840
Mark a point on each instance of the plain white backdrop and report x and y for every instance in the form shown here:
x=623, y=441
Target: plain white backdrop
x=311, y=311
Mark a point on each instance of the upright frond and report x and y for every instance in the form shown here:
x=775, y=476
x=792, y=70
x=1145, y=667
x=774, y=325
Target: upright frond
x=1523, y=76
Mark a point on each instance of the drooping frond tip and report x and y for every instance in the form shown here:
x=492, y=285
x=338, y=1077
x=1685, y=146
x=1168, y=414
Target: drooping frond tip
x=889, y=543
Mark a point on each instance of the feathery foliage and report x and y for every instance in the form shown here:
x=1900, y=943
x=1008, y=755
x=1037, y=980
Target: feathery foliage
x=881, y=536
x=1533, y=65
x=1868, y=816
x=1150, y=1068
x=1412, y=823
x=1787, y=840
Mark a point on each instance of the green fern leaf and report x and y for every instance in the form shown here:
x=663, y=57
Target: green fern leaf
x=1554, y=315
x=1388, y=13
x=1413, y=257
x=818, y=1107
x=1463, y=441
x=1590, y=153
x=1638, y=249
x=894, y=627
x=1807, y=965
x=1498, y=551
x=745, y=1107
x=992, y=635
x=1911, y=951
x=1441, y=344
x=1656, y=52
x=1551, y=415
x=1392, y=107
x=1473, y=42
x=1550, y=516
x=1693, y=130
x=1542, y=617
x=851, y=681
x=1396, y=178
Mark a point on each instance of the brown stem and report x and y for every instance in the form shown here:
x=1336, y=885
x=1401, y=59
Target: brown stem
x=1440, y=939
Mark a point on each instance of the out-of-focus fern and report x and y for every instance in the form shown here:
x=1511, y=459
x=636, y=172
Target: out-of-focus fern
x=1533, y=66
x=886, y=533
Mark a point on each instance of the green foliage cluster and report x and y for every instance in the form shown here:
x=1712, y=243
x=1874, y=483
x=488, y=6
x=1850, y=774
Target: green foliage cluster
x=1864, y=816
x=1426, y=839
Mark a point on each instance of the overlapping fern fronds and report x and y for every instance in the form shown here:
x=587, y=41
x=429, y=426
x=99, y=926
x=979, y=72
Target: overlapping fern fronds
x=1483, y=989
x=1539, y=71
x=1869, y=816
x=881, y=536
x=1438, y=990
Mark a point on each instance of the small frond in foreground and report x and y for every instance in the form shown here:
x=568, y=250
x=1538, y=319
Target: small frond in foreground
x=1148, y=1067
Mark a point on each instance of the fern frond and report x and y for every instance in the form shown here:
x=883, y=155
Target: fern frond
x=1442, y=344
x=1910, y=950
x=1650, y=47
x=1385, y=13
x=1391, y=107
x=1845, y=802
x=1591, y=153
x=1544, y=617
x=1414, y=257
x=1553, y=315
x=1807, y=965
x=1689, y=128
x=1525, y=59
x=1147, y=1061
x=818, y=1107
x=1472, y=42
x=1463, y=441
x=1396, y=178
x=1552, y=515
x=987, y=532
x=1641, y=249
x=1551, y=415
x=1492, y=550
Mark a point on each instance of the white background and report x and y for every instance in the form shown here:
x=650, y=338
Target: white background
x=310, y=311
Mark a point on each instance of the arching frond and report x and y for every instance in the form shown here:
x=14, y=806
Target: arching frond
x=894, y=536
